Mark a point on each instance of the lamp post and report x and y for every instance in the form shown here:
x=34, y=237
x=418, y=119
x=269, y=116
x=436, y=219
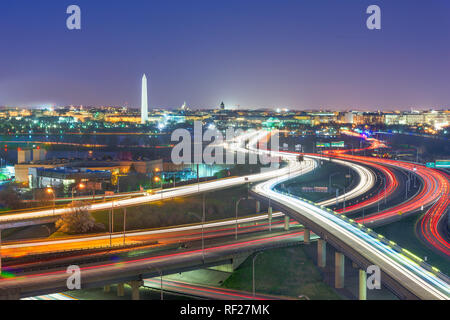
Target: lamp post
x=329, y=180
x=79, y=186
x=202, y=219
x=378, y=202
x=124, y=224
x=237, y=206
x=198, y=178
x=161, y=281
x=51, y=191
x=203, y=222
x=343, y=187
x=407, y=187
x=158, y=179
x=253, y=271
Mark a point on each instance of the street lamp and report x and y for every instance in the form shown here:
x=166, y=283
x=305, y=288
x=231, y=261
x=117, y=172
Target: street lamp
x=160, y=277
x=79, y=186
x=343, y=187
x=329, y=180
x=158, y=179
x=253, y=270
x=49, y=190
x=203, y=222
x=124, y=224
x=237, y=206
x=111, y=223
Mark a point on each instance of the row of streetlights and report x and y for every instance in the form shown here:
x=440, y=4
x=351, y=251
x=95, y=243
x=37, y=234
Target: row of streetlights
x=51, y=191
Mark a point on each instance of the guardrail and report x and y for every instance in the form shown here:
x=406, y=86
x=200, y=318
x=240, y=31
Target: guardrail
x=378, y=237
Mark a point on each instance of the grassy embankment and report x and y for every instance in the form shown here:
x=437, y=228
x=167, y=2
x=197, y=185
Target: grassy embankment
x=285, y=272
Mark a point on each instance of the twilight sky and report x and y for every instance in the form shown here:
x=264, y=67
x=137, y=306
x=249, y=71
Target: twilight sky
x=278, y=53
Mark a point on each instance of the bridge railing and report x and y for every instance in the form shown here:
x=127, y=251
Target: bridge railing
x=421, y=262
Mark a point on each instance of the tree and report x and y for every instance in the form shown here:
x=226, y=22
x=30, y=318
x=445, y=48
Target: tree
x=78, y=220
x=9, y=198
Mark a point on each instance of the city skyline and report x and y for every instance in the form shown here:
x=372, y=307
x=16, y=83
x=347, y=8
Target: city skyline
x=292, y=56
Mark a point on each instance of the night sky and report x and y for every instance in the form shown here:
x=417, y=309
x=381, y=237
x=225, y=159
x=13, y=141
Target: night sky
x=253, y=53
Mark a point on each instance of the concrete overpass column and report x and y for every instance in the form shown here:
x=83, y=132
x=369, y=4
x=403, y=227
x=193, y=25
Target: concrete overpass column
x=286, y=222
x=339, y=270
x=120, y=290
x=258, y=206
x=107, y=288
x=269, y=212
x=321, y=253
x=362, y=285
x=135, y=289
x=306, y=236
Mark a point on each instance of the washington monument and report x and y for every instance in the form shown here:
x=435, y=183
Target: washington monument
x=144, y=101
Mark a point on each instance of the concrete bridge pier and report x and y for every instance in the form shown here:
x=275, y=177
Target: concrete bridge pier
x=286, y=222
x=321, y=253
x=120, y=290
x=135, y=285
x=269, y=213
x=362, y=285
x=339, y=270
x=306, y=236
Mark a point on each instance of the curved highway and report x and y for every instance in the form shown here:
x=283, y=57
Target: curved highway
x=421, y=282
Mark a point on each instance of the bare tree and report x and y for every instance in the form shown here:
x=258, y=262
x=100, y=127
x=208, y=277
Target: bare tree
x=78, y=220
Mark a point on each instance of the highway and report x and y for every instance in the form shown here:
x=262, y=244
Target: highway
x=238, y=145
x=183, y=191
x=132, y=267
x=183, y=289
x=177, y=234
x=435, y=195
x=421, y=282
x=206, y=292
x=292, y=170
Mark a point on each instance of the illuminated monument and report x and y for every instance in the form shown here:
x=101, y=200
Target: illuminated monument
x=144, y=101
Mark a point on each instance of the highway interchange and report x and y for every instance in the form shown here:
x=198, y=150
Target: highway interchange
x=424, y=283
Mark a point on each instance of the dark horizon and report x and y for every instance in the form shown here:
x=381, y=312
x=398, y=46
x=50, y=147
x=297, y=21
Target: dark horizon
x=300, y=55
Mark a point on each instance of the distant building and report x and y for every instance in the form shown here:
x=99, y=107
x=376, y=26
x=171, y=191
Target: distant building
x=62, y=176
x=39, y=154
x=114, y=118
x=22, y=170
x=368, y=118
x=23, y=155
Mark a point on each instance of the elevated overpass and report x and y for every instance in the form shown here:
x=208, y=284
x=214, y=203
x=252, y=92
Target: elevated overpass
x=133, y=271
x=406, y=278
